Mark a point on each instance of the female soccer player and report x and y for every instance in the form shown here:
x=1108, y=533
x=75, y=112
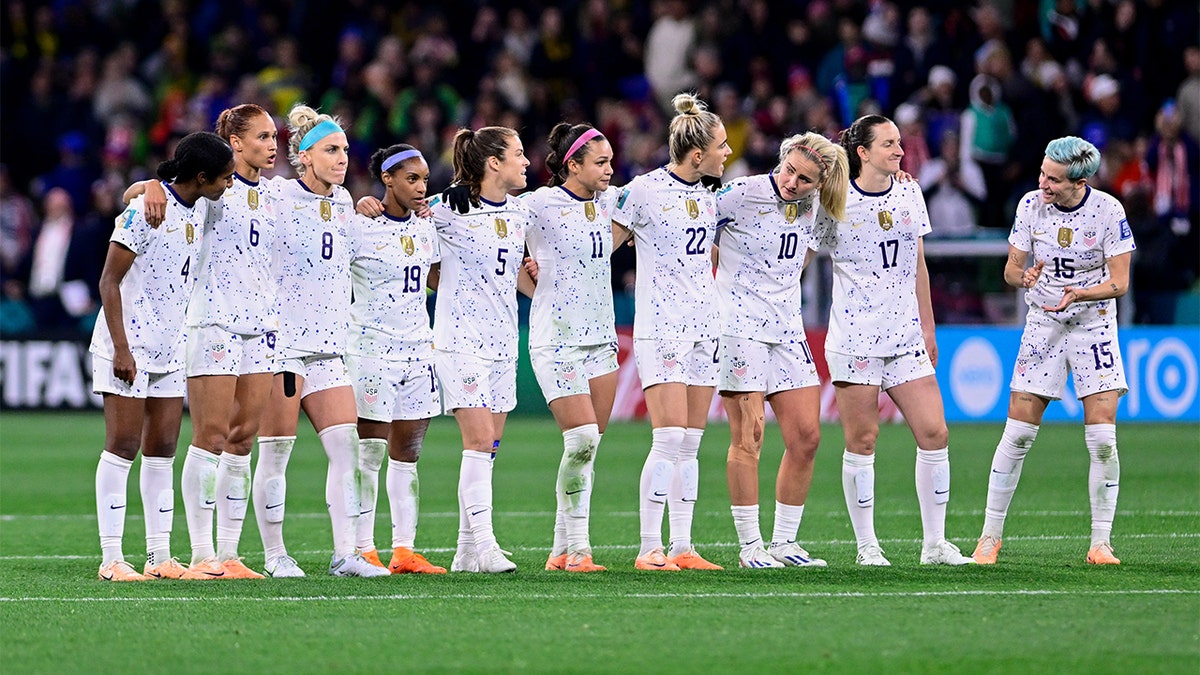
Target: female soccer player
x=315, y=239
x=672, y=218
x=881, y=335
x=475, y=324
x=572, y=338
x=1081, y=245
x=390, y=355
x=138, y=350
x=766, y=229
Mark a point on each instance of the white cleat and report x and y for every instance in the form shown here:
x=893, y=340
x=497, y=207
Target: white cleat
x=282, y=567
x=354, y=565
x=944, y=553
x=465, y=560
x=792, y=554
x=757, y=558
x=872, y=556
x=494, y=561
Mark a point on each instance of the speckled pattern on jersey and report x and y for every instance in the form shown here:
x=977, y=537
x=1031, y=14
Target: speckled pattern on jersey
x=314, y=243
x=1073, y=244
x=874, y=310
x=571, y=240
x=155, y=290
x=482, y=251
x=389, y=318
x=235, y=287
x=673, y=224
x=763, y=242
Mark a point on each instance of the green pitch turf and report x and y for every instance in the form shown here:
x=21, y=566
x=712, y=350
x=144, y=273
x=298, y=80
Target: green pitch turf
x=1042, y=609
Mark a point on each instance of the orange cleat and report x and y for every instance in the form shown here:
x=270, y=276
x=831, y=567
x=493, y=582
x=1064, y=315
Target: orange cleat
x=372, y=557
x=235, y=569
x=205, y=570
x=655, y=561
x=1102, y=554
x=119, y=570
x=556, y=562
x=171, y=569
x=407, y=561
x=690, y=560
x=986, y=550
x=582, y=562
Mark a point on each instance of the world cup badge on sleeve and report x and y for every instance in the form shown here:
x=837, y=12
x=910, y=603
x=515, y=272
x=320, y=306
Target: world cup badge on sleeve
x=406, y=242
x=501, y=228
x=190, y=233
x=693, y=209
x=326, y=211
x=1065, y=235
x=252, y=199
x=791, y=212
x=589, y=210
x=885, y=220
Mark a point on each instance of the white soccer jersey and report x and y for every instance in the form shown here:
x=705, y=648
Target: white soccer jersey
x=155, y=290
x=571, y=240
x=1073, y=243
x=673, y=224
x=476, y=308
x=235, y=286
x=315, y=239
x=874, y=310
x=763, y=241
x=388, y=318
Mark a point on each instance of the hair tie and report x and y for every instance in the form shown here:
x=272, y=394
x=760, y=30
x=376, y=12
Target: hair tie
x=399, y=157
x=323, y=129
x=580, y=142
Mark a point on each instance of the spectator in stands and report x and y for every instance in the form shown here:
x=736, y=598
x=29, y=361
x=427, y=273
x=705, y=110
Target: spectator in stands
x=670, y=41
x=988, y=136
x=1188, y=95
x=954, y=188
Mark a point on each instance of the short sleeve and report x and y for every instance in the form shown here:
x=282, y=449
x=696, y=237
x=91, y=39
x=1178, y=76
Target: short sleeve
x=1020, y=238
x=729, y=201
x=131, y=229
x=629, y=209
x=924, y=227
x=824, y=234
x=1118, y=237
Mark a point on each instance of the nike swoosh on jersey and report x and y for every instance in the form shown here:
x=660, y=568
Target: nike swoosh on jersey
x=667, y=208
x=1038, y=234
x=299, y=207
x=763, y=213
x=565, y=212
x=380, y=247
x=475, y=226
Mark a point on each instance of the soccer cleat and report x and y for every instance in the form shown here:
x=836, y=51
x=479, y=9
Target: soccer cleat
x=236, y=569
x=119, y=570
x=872, y=556
x=170, y=569
x=407, y=561
x=581, y=561
x=493, y=561
x=372, y=557
x=354, y=565
x=205, y=570
x=944, y=553
x=282, y=567
x=757, y=558
x=655, y=561
x=465, y=560
x=792, y=554
x=556, y=562
x=1102, y=554
x=986, y=550
x=690, y=560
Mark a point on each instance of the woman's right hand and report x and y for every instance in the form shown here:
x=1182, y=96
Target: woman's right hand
x=124, y=367
x=369, y=206
x=1030, y=276
x=155, y=203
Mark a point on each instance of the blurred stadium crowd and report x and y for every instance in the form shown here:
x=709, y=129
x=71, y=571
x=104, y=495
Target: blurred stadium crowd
x=95, y=92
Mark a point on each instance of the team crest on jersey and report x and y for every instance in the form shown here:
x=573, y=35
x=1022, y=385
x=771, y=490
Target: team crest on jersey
x=469, y=384
x=326, y=211
x=406, y=242
x=905, y=218
x=1065, y=236
x=190, y=232
x=885, y=220
x=693, y=209
x=371, y=395
x=217, y=352
x=739, y=367
x=589, y=210
x=252, y=199
x=1089, y=238
x=791, y=212
x=501, y=228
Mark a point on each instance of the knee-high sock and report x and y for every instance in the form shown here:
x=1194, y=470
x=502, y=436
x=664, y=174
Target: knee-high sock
x=685, y=487
x=156, y=481
x=858, y=485
x=371, y=452
x=656, y=483
x=233, y=496
x=404, y=498
x=112, y=476
x=198, y=482
x=1014, y=444
x=341, y=485
x=1104, y=478
x=933, y=492
x=575, y=483
x=475, y=497
x=270, y=491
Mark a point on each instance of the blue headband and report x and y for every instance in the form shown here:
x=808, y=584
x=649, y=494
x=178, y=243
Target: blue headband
x=399, y=157
x=318, y=132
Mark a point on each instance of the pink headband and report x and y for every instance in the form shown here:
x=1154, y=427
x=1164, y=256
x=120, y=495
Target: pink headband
x=579, y=143
x=815, y=154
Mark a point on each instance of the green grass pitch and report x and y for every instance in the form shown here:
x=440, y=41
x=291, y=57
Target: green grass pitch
x=1042, y=609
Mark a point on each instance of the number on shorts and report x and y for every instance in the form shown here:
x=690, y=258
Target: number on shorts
x=432, y=379
x=893, y=244
x=807, y=351
x=1101, y=349
x=327, y=245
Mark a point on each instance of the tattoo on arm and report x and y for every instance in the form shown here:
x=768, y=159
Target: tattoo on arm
x=1114, y=287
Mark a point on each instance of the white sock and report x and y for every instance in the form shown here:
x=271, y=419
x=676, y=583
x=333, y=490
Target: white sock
x=745, y=521
x=858, y=485
x=575, y=483
x=475, y=497
x=341, y=485
x=371, y=452
x=112, y=477
x=270, y=492
x=198, y=482
x=933, y=492
x=157, y=483
x=1010, y=454
x=404, y=497
x=787, y=522
x=656, y=483
x=233, y=496
x=685, y=488
x=1104, y=478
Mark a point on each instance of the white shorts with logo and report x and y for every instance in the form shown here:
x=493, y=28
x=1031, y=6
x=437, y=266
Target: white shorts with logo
x=212, y=350
x=320, y=371
x=471, y=382
x=564, y=370
x=751, y=365
x=1086, y=345
x=386, y=390
x=145, y=384
x=884, y=372
x=692, y=363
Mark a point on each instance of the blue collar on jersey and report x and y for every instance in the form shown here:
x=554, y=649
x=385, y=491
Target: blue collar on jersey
x=672, y=175
x=1087, y=192
x=243, y=179
x=873, y=194
x=397, y=219
x=494, y=203
x=176, y=195
x=575, y=196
